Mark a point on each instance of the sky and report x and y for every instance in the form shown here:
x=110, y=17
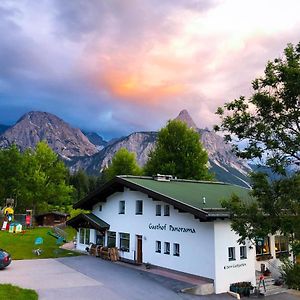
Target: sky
x=118, y=66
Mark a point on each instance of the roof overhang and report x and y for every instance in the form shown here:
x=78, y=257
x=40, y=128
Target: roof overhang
x=118, y=184
x=88, y=221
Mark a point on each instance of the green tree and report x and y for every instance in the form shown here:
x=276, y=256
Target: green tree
x=83, y=184
x=178, y=152
x=269, y=121
x=43, y=183
x=269, y=125
x=80, y=182
x=123, y=163
x=11, y=173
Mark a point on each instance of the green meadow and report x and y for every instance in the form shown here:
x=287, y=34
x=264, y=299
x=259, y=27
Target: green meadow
x=21, y=245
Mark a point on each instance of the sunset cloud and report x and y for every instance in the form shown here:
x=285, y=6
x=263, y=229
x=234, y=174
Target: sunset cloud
x=123, y=65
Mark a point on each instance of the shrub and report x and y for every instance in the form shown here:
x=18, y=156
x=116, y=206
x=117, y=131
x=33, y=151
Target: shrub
x=291, y=274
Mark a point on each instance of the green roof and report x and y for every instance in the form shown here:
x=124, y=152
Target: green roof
x=192, y=192
x=200, y=198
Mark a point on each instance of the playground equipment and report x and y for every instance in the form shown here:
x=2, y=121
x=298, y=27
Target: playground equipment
x=14, y=223
x=59, y=234
x=15, y=227
x=8, y=213
x=38, y=241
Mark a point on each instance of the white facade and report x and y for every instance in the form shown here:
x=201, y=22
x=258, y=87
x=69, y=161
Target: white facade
x=203, y=246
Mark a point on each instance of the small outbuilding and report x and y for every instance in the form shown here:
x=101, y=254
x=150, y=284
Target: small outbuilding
x=51, y=218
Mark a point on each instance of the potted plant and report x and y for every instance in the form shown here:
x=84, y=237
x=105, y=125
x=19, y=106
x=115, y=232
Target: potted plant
x=242, y=288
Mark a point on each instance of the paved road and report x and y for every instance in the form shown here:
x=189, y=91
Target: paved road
x=85, y=277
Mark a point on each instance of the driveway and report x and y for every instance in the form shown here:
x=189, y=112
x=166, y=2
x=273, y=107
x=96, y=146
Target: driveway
x=87, y=277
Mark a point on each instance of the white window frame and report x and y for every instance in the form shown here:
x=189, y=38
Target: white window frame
x=166, y=210
x=167, y=248
x=139, y=212
x=124, y=236
x=231, y=254
x=84, y=236
x=243, y=252
x=122, y=207
x=158, y=210
x=176, y=249
x=158, y=246
x=108, y=236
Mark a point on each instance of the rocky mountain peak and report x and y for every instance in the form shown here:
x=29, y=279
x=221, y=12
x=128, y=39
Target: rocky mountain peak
x=185, y=117
x=37, y=126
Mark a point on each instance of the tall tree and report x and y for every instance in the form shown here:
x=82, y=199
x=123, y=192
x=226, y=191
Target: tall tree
x=269, y=124
x=179, y=152
x=35, y=178
x=123, y=163
x=83, y=184
x=45, y=181
x=11, y=173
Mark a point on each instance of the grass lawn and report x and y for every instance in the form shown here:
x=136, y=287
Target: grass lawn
x=11, y=292
x=20, y=245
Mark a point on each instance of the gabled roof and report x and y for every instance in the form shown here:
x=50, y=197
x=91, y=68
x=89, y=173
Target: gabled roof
x=88, y=221
x=201, y=198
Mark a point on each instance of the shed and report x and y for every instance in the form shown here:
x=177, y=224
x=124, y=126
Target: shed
x=51, y=218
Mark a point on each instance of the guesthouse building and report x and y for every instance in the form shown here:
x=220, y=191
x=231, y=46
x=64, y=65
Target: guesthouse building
x=174, y=224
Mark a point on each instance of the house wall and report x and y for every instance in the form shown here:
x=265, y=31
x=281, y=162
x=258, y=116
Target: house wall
x=196, y=248
x=203, y=252
x=237, y=270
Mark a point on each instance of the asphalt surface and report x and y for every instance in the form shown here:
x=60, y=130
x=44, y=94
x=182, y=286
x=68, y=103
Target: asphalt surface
x=86, y=277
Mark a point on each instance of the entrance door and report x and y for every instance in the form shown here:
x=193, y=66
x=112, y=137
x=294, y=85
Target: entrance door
x=139, y=249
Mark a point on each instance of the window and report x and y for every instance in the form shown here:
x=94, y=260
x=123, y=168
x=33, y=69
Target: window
x=111, y=239
x=84, y=236
x=158, y=210
x=263, y=246
x=124, y=241
x=167, y=210
x=99, y=238
x=167, y=248
x=281, y=245
x=231, y=253
x=158, y=246
x=87, y=236
x=139, y=207
x=122, y=207
x=81, y=235
x=243, y=252
x=100, y=207
x=176, y=249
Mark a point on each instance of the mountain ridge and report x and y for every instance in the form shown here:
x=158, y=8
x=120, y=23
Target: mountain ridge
x=222, y=160
x=36, y=126
x=79, y=152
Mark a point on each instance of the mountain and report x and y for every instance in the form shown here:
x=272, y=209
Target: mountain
x=185, y=117
x=3, y=128
x=140, y=143
x=96, y=139
x=36, y=126
x=223, y=162
x=93, y=154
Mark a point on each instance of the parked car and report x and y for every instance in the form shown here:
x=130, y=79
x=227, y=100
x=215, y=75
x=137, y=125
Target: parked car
x=5, y=259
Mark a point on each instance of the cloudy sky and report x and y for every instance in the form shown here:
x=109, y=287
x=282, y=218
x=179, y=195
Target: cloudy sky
x=117, y=66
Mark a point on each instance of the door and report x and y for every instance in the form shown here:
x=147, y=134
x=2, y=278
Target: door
x=139, y=249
